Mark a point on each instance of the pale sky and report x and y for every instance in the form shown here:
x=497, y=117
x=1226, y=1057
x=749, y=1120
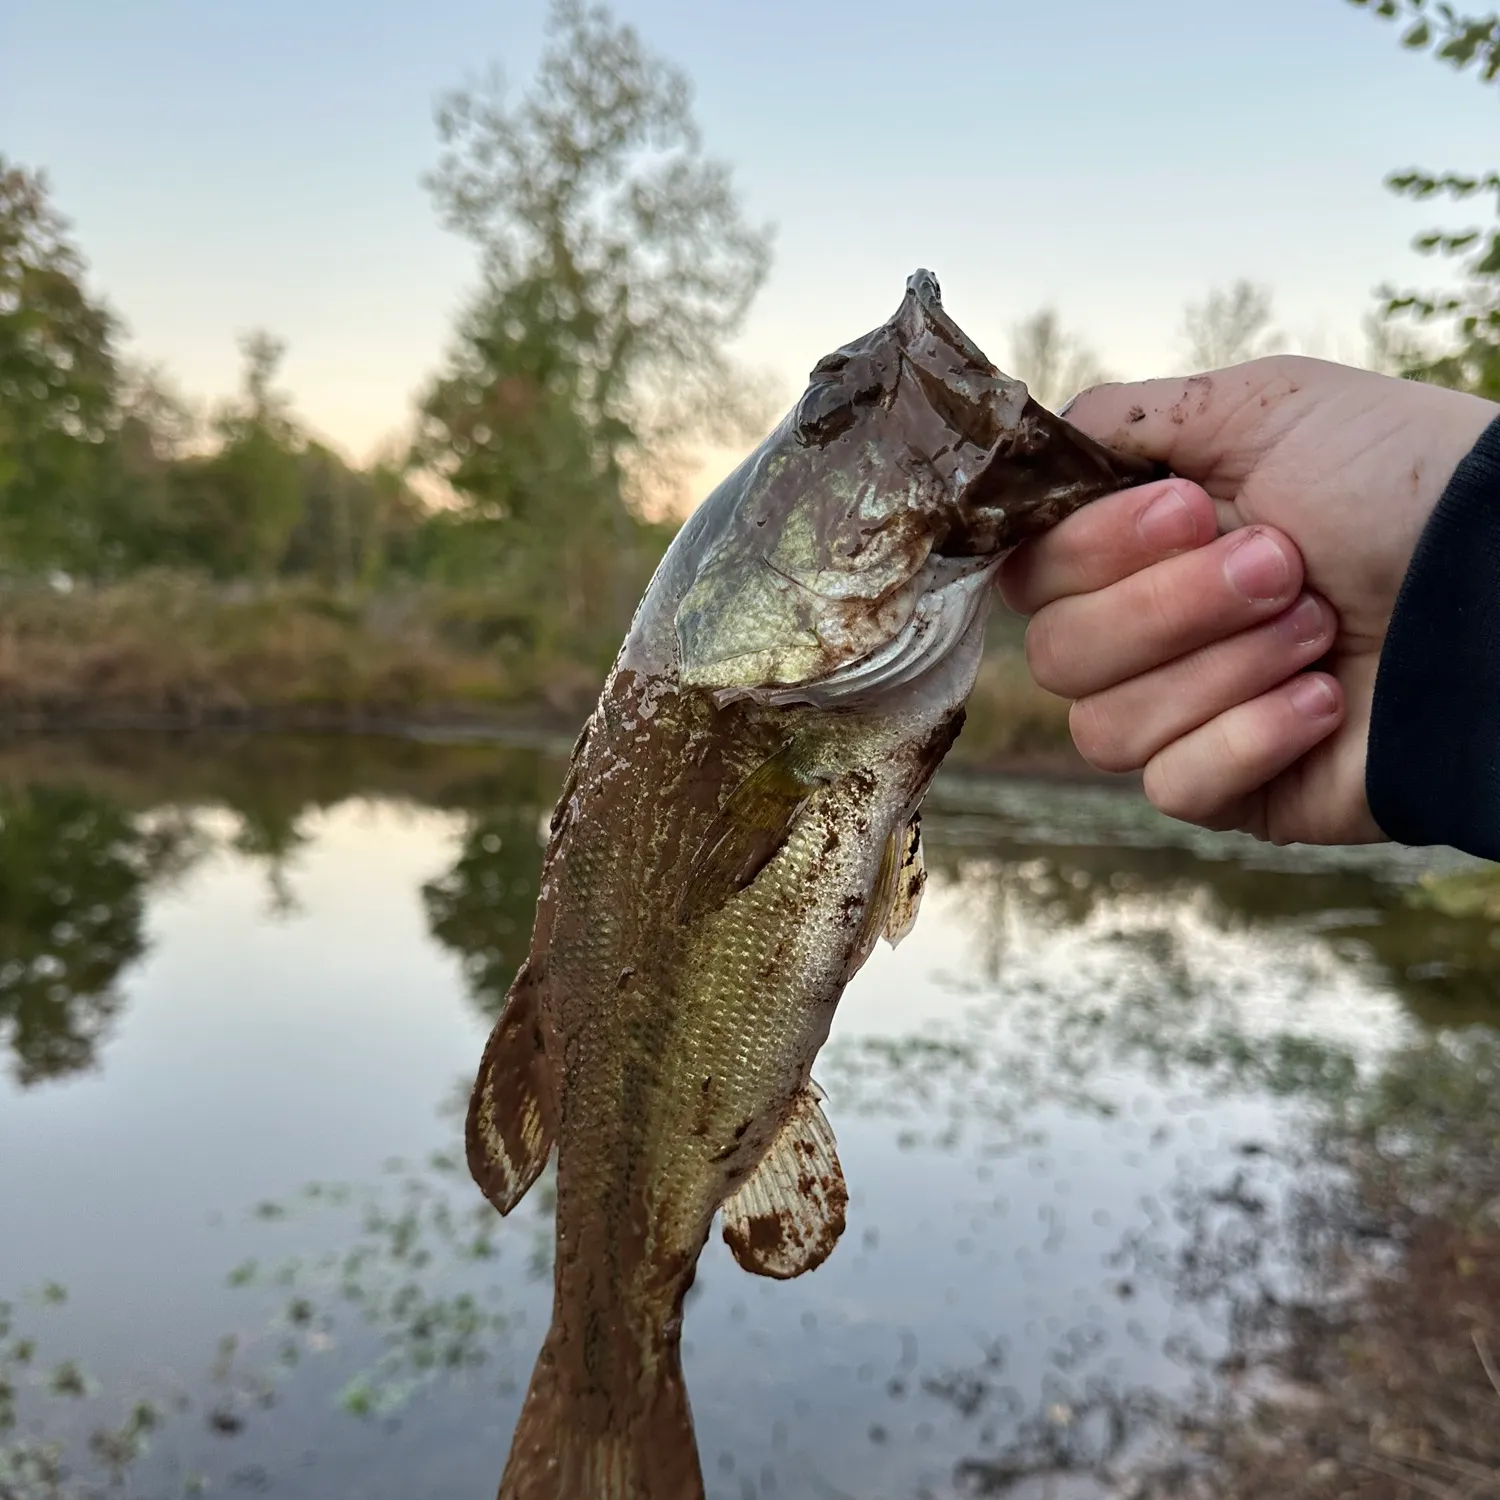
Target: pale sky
x=237, y=163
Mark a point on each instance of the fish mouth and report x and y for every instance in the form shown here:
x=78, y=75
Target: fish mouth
x=847, y=577
x=923, y=291
x=919, y=343
x=923, y=285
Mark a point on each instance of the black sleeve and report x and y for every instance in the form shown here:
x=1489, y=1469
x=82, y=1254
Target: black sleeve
x=1432, y=773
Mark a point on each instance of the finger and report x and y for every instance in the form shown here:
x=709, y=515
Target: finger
x=1203, y=776
x=1107, y=541
x=1081, y=645
x=1184, y=422
x=1121, y=728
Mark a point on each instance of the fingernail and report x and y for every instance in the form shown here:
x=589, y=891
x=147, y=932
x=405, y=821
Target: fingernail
x=1257, y=568
x=1314, y=697
x=1303, y=624
x=1067, y=405
x=1167, y=525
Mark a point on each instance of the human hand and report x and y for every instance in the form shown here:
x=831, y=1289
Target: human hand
x=1185, y=636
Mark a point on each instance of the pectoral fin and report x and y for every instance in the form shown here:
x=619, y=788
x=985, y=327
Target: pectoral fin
x=751, y=827
x=911, y=879
x=788, y=1216
x=508, y=1136
x=881, y=902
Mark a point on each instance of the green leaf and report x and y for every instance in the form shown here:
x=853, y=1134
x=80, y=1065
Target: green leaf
x=1419, y=36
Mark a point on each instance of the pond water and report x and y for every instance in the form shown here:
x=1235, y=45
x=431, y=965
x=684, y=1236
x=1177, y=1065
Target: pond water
x=243, y=988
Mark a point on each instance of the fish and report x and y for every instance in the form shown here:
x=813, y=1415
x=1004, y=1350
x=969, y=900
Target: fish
x=740, y=823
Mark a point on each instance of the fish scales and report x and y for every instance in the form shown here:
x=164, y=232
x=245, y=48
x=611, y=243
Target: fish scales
x=737, y=827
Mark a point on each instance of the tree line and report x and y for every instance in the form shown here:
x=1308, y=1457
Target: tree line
x=616, y=266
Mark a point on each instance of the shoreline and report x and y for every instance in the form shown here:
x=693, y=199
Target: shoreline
x=533, y=729
x=170, y=655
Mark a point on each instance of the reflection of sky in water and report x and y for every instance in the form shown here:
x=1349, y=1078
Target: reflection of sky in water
x=1031, y=1111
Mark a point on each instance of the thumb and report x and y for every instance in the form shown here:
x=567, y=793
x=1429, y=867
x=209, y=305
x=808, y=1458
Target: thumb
x=1181, y=421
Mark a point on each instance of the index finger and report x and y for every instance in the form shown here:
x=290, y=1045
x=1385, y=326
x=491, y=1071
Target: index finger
x=1107, y=541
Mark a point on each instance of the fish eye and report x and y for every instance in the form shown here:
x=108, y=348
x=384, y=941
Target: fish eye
x=840, y=384
x=825, y=410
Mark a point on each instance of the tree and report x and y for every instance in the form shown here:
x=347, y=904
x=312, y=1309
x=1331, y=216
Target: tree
x=258, y=463
x=235, y=510
x=1229, y=326
x=616, y=268
x=544, y=514
x=350, y=522
x=58, y=384
x=1468, y=316
x=136, y=504
x=606, y=230
x=1053, y=362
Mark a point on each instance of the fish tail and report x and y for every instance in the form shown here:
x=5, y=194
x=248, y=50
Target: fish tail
x=639, y=1447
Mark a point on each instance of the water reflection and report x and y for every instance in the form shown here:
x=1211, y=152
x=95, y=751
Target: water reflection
x=74, y=872
x=1359, y=903
x=88, y=827
x=483, y=907
x=1134, y=1122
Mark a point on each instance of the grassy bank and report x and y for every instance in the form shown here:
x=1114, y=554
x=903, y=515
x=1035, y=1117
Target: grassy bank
x=165, y=651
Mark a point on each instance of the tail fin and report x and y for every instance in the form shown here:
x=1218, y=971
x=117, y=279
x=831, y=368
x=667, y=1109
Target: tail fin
x=639, y=1446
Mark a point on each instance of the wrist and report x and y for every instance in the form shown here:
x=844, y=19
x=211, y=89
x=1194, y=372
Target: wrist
x=1446, y=427
x=1433, y=768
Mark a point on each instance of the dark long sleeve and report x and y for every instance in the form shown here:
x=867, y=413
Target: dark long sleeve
x=1432, y=774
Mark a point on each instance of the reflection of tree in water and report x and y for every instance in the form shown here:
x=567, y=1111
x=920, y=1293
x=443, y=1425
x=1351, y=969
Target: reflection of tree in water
x=271, y=831
x=81, y=846
x=74, y=871
x=1239, y=1241
x=1134, y=1001
x=483, y=907
x=1442, y=958
x=1370, y=1368
x=1351, y=1265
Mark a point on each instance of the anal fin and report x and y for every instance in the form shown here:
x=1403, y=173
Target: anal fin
x=911, y=880
x=508, y=1135
x=788, y=1216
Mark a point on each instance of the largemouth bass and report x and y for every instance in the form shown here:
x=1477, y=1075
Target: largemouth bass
x=739, y=825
